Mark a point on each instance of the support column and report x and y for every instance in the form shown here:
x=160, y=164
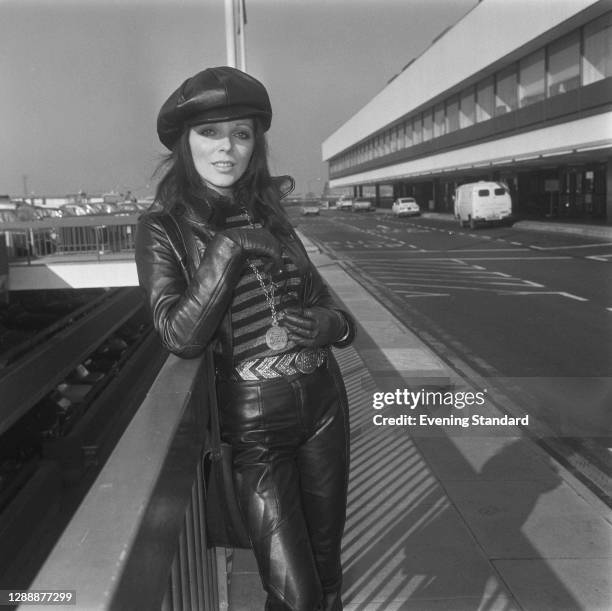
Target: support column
x=609, y=191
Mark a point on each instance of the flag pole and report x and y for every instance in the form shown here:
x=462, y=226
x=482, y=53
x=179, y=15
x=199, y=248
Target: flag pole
x=230, y=33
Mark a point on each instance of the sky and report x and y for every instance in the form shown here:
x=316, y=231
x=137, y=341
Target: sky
x=82, y=81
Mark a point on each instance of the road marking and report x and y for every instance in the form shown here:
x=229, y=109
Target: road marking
x=604, y=258
x=479, y=250
x=385, y=259
x=568, y=295
x=609, y=309
x=571, y=296
x=536, y=284
x=517, y=243
x=572, y=246
x=509, y=258
x=410, y=294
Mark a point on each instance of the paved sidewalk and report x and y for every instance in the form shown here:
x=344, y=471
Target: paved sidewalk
x=446, y=517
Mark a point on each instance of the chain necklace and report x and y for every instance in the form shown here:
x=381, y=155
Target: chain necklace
x=277, y=337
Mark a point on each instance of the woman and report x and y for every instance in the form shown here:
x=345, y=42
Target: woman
x=251, y=291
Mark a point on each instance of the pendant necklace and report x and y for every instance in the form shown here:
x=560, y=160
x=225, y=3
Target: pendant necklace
x=277, y=337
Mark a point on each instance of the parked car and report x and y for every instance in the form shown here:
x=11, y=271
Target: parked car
x=405, y=206
x=8, y=216
x=482, y=202
x=362, y=205
x=344, y=203
x=127, y=208
x=74, y=210
x=310, y=209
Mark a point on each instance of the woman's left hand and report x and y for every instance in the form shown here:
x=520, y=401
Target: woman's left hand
x=313, y=327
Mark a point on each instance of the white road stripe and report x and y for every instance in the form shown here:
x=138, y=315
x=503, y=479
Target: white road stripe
x=568, y=295
x=531, y=283
x=572, y=247
x=604, y=258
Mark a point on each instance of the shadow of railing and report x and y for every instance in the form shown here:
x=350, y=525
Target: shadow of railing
x=408, y=544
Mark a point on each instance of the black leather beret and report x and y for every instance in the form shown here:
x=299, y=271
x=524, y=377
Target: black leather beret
x=215, y=94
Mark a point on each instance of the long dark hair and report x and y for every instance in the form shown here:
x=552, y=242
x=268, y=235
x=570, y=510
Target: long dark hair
x=254, y=191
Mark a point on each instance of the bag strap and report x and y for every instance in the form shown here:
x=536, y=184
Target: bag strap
x=179, y=247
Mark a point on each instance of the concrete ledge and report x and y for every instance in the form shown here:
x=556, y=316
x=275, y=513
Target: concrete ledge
x=594, y=231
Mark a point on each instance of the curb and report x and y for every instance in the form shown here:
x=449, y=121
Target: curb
x=579, y=229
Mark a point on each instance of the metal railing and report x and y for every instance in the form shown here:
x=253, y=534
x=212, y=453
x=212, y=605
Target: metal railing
x=138, y=540
x=97, y=235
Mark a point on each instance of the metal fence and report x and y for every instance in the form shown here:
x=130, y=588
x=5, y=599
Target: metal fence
x=79, y=235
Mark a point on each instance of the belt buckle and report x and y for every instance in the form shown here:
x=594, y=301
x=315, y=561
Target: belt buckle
x=307, y=360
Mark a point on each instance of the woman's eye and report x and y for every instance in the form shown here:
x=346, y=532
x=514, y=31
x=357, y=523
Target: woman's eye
x=243, y=135
x=207, y=131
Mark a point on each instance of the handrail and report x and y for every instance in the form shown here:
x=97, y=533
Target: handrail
x=71, y=235
x=72, y=221
x=138, y=539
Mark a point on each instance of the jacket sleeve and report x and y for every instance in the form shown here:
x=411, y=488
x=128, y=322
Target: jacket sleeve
x=185, y=313
x=316, y=293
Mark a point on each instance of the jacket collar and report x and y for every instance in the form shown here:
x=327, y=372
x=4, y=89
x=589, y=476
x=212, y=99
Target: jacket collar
x=215, y=208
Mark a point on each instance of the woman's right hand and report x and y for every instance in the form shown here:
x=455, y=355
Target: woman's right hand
x=257, y=242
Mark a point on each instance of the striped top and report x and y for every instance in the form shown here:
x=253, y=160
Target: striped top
x=250, y=314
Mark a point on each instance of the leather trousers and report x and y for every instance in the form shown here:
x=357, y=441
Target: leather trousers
x=290, y=444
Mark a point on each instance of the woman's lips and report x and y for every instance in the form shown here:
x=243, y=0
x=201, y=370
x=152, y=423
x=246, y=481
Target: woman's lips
x=223, y=165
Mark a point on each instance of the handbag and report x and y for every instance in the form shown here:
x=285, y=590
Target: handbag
x=224, y=524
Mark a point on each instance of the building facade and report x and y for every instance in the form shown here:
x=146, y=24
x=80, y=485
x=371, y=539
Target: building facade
x=517, y=92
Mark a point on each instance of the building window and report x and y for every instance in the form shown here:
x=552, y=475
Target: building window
x=484, y=100
x=452, y=115
x=505, y=91
x=439, y=125
x=394, y=135
x=467, y=105
x=417, y=130
x=427, y=125
x=408, y=134
x=564, y=64
x=597, y=60
x=532, y=78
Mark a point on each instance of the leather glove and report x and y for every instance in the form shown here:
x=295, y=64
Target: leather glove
x=313, y=327
x=257, y=242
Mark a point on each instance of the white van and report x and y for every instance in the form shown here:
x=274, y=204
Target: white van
x=482, y=202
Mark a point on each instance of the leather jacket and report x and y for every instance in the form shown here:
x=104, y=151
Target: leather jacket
x=190, y=301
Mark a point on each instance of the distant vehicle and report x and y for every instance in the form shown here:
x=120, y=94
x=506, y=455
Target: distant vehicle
x=362, y=205
x=8, y=216
x=125, y=208
x=482, y=202
x=405, y=206
x=344, y=203
x=103, y=208
x=74, y=210
x=310, y=209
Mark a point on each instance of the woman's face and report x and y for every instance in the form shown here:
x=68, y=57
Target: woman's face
x=221, y=151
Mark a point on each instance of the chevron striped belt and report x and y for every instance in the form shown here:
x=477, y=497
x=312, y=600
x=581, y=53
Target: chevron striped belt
x=306, y=361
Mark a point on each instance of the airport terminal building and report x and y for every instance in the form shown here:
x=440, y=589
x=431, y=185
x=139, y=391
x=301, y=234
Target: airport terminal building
x=517, y=92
